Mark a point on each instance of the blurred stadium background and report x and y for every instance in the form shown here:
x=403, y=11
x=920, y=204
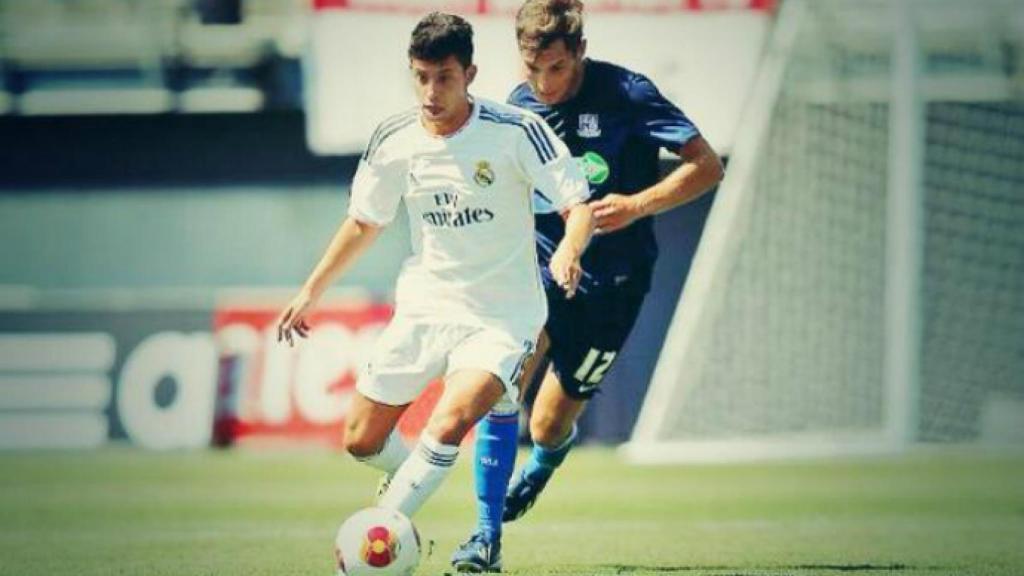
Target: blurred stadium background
x=854, y=292
x=170, y=163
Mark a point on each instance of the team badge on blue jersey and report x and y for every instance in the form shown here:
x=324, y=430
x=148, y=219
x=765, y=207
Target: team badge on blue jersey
x=589, y=127
x=484, y=176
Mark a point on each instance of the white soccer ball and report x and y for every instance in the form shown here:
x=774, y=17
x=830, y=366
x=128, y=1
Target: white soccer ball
x=377, y=542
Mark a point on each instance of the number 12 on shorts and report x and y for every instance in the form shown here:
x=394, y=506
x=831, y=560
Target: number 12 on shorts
x=592, y=370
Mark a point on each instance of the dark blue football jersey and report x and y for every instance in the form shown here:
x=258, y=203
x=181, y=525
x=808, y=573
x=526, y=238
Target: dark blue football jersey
x=615, y=126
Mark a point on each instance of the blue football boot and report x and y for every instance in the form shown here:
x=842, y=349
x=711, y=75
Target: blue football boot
x=478, y=554
x=522, y=495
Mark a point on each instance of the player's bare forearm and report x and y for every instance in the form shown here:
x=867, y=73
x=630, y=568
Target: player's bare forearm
x=565, y=262
x=352, y=238
x=579, y=227
x=350, y=241
x=700, y=171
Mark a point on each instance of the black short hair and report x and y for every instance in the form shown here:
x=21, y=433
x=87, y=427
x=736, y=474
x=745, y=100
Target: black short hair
x=439, y=35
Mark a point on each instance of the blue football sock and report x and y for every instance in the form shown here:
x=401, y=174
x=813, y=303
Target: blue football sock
x=496, y=437
x=543, y=461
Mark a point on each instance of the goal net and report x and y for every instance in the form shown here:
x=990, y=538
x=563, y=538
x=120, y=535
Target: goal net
x=860, y=283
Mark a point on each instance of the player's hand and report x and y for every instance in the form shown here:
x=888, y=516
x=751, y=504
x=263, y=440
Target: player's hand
x=293, y=318
x=566, y=270
x=615, y=212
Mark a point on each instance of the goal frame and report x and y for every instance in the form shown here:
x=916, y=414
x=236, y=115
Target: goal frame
x=723, y=235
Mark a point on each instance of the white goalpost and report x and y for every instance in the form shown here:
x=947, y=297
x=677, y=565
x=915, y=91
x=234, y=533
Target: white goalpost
x=859, y=287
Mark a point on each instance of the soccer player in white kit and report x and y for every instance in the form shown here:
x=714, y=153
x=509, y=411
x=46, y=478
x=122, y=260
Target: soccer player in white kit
x=469, y=300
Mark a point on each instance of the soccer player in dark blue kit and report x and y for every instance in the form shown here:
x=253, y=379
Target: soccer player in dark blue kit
x=614, y=122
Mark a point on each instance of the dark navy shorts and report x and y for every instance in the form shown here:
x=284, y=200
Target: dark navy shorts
x=587, y=332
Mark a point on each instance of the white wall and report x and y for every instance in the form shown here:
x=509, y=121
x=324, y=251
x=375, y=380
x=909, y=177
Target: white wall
x=356, y=69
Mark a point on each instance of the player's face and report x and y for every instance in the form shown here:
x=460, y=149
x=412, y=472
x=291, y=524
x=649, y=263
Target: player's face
x=554, y=73
x=442, y=89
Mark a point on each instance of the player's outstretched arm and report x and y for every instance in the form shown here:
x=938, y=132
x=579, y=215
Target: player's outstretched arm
x=565, y=262
x=701, y=169
x=350, y=241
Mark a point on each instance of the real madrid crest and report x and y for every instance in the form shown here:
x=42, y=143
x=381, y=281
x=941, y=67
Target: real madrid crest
x=484, y=176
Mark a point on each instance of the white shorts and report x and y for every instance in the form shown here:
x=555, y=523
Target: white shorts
x=409, y=355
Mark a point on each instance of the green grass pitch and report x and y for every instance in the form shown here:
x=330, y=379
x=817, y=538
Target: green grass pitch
x=123, y=511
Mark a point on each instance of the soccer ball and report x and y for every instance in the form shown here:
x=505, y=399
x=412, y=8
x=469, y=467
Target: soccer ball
x=377, y=542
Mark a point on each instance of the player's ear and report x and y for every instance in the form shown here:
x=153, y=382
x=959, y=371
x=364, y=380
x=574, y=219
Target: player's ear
x=470, y=74
x=581, y=50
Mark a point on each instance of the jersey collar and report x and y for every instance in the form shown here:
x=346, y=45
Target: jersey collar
x=467, y=126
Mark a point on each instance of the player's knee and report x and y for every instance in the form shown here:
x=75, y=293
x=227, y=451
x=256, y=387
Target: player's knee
x=549, y=430
x=360, y=444
x=449, y=428
x=362, y=448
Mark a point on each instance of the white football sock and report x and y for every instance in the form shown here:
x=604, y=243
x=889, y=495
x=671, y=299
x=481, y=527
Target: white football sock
x=420, y=475
x=391, y=456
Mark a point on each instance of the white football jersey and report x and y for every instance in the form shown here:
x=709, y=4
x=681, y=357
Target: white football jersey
x=468, y=197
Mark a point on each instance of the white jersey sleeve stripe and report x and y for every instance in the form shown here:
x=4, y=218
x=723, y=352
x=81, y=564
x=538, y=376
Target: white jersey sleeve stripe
x=545, y=142
x=535, y=136
x=541, y=155
x=542, y=152
x=545, y=154
x=386, y=129
x=385, y=135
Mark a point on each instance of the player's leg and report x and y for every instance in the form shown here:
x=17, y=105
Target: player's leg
x=483, y=365
x=586, y=335
x=468, y=395
x=554, y=414
x=496, y=442
x=497, y=436
x=405, y=358
x=371, y=436
x=553, y=429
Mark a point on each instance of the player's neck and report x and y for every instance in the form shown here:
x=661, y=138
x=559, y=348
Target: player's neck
x=450, y=127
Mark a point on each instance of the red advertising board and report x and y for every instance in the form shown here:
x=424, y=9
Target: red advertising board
x=270, y=392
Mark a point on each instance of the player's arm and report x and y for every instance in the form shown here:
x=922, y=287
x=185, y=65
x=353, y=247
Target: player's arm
x=350, y=241
x=565, y=262
x=558, y=177
x=376, y=192
x=700, y=171
x=661, y=123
